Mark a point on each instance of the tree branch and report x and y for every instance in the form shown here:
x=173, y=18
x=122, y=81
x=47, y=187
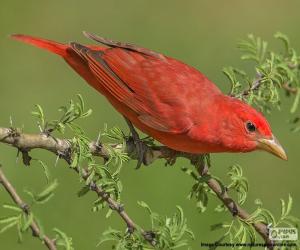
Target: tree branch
x=234, y=208
x=62, y=148
x=36, y=232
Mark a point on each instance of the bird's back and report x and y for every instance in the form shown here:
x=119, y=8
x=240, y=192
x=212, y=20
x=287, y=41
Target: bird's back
x=165, y=94
x=163, y=97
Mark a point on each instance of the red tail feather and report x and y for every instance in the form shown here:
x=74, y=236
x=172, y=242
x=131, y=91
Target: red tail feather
x=57, y=48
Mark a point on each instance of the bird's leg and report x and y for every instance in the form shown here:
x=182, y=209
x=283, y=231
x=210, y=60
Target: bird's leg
x=140, y=146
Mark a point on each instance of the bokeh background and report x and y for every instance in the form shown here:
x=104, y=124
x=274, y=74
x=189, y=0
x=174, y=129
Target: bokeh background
x=200, y=33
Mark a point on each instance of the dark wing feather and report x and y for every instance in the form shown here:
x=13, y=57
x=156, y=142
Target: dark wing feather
x=128, y=46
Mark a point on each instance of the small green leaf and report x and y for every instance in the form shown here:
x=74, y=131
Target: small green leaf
x=109, y=213
x=63, y=240
x=283, y=38
x=44, y=195
x=145, y=205
x=296, y=101
x=12, y=207
x=9, y=219
x=8, y=226
x=289, y=206
x=83, y=191
x=39, y=113
x=28, y=222
x=46, y=170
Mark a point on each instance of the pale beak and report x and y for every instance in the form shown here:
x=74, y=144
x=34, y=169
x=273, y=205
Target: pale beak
x=272, y=146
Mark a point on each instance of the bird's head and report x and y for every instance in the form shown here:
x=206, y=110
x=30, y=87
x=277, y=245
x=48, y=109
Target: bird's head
x=246, y=129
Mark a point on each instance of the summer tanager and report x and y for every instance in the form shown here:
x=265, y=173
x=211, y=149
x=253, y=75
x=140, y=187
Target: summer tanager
x=165, y=98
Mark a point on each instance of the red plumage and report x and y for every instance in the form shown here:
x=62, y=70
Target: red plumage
x=163, y=97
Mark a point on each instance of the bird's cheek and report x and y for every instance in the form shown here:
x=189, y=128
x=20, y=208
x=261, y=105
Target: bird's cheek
x=244, y=144
x=251, y=145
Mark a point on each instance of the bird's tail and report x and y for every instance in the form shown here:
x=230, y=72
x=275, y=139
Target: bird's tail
x=54, y=47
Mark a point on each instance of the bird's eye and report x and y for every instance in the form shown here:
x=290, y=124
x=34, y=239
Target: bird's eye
x=250, y=127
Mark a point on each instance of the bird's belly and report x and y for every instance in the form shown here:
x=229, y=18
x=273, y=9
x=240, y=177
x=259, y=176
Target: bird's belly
x=180, y=142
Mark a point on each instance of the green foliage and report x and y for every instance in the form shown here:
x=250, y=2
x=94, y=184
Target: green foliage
x=165, y=233
x=235, y=75
x=254, y=48
x=264, y=215
x=45, y=195
x=70, y=114
x=45, y=169
x=242, y=231
x=199, y=190
x=239, y=183
x=109, y=182
x=62, y=240
x=236, y=232
x=80, y=150
x=116, y=152
x=106, y=174
x=272, y=72
x=20, y=220
x=124, y=240
x=169, y=231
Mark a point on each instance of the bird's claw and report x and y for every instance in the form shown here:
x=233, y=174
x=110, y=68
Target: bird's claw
x=140, y=146
x=171, y=159
x=140, y=150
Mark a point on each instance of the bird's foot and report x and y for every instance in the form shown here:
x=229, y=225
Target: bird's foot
x=171, y=159
x=140, y=146
x=141, y=150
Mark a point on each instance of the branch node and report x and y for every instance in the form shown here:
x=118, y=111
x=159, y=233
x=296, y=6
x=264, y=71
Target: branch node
x=25, y=207
x=120, y=208
x=93, y=186
x=66, y=154
x=14, y=132
x=150, y=237
x=232, y=206
x=130, y=229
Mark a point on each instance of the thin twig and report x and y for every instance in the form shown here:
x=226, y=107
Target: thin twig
x=36, y=232
x=257, y=83
x=289, y=89
x=61, y=146
x=254, y=86
x=119, y=208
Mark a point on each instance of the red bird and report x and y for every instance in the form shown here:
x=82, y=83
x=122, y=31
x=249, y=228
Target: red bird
x=165, y=98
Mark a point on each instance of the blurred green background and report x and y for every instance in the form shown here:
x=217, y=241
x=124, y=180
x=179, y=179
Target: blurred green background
x=200, y=33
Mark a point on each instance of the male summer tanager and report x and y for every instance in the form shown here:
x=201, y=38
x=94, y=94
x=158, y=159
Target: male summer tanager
x=165, y=98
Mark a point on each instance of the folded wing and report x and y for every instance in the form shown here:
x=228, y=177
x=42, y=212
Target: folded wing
x=163, y=92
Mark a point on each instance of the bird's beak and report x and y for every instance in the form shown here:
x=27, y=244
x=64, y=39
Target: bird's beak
x=272, y=146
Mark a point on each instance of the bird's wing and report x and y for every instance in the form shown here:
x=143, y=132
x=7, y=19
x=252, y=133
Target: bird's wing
x=162, y=91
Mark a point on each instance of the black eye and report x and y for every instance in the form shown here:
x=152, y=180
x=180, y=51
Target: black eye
x=250, y=127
